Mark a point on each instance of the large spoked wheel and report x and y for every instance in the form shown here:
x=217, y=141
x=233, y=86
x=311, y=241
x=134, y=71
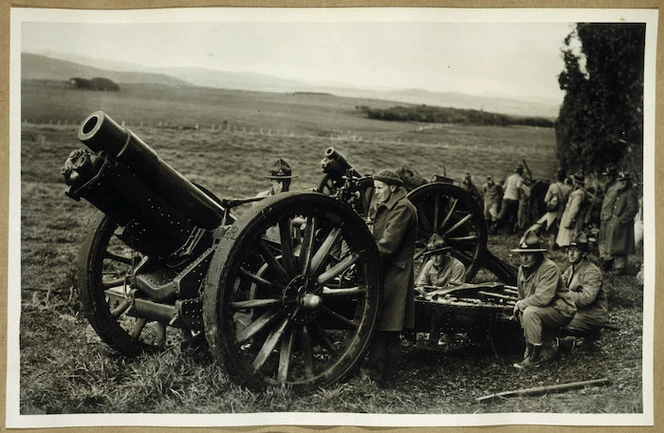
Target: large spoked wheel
x=292, y=293
x=104, y=264
x=452, y=213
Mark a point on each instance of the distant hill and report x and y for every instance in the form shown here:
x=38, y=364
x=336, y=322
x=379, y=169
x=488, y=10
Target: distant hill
x=36, y=66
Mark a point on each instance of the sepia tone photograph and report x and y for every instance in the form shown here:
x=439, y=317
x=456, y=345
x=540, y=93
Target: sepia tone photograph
x=368, y=217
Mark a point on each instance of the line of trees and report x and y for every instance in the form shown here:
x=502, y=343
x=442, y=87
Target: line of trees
x=431, y=114
x=601, y=118
x=97, y=83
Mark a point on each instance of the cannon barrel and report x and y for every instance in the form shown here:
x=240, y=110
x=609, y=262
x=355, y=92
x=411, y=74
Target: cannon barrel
x=101, y=133
x=336, y=165
x=162, y=214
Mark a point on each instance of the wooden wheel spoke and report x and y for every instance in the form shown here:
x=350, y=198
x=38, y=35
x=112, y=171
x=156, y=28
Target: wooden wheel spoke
x=308, y=352
x=349, y=292
x=344, y=319
x=324, y=251
x=461, y=222
x=324, y=339
x=307, y=245
x=436, y=210
x=257, y=325
x=272, y=261
x=120, y=308
x=424, y=221
x=337, y=269
x=469, y=238
x=254, y=303
x=269, y=344
x=461, y=255
x=118, y=258
x=258, y=280
x=115, y=282
x=285, y=353
x=448, y=215
x=138, y=328
x=287, y=256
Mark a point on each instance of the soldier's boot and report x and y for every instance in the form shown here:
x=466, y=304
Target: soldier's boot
x=589, y=340
x=526, y=354
x=566, y=345
x=533, y=360
x=528, y=350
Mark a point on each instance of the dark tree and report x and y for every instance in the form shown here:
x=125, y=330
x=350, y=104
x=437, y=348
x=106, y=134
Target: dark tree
x=601, y=118
x=80, y=83
x=101, y=83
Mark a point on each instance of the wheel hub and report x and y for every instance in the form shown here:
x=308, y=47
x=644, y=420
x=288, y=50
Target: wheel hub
x=300, y=303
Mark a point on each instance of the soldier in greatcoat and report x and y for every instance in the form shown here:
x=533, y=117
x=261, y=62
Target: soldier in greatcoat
x=620, y=227
x=574, y=215
x=395, y=231
x=544, y=304
x=610, y=189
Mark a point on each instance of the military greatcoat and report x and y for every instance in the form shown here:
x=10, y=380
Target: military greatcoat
x=395, y=231
x=620, y=228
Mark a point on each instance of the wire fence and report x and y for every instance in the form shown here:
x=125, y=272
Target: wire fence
x=227, y=128
x=335, y=136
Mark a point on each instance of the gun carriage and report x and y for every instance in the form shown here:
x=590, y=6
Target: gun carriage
x=286, y=293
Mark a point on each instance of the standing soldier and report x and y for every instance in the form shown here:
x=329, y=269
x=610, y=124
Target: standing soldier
x=524, y=220
x=468, y=186
x=510, y=207
x=574, y=216
x=395, y=231
x=493, y=196
x=620, y=227
x=544, y=304
x=555, y=201
x=610, y=189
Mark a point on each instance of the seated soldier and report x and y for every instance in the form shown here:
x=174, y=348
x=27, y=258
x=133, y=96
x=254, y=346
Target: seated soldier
x=584, y=280
x=545, y=304
x=440, y=271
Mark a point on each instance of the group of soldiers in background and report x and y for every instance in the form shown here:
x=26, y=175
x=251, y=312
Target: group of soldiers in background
x=554, y=308
x=613, y=214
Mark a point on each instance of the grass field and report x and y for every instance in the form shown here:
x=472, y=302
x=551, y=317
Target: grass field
x=83, y=375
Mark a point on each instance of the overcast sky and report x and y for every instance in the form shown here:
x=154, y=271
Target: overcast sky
x=436, y=50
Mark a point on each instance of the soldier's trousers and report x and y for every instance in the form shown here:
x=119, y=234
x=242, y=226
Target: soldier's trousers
x=603, y=252
x=585, y=322
x=384, y=355
x=536, y=320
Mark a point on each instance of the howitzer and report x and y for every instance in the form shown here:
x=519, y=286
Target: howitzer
x=275, y=304
x=169, y=261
